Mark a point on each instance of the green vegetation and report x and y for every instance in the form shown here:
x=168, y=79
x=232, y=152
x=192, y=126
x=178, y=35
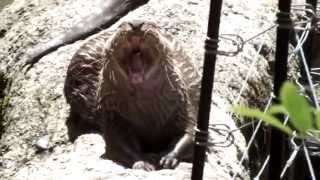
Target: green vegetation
x=305, y=119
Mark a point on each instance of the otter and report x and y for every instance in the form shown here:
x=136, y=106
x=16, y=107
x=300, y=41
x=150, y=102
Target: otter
x=139, y=90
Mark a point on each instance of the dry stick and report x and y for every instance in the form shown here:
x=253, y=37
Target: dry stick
x=111, y=11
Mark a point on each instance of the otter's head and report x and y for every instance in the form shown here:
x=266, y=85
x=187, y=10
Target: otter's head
x=138, y=49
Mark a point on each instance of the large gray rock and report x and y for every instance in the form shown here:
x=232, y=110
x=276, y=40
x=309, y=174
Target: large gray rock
x=34, y=142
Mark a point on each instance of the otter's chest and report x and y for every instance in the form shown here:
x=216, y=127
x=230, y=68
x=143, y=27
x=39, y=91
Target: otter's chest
x=147, y=112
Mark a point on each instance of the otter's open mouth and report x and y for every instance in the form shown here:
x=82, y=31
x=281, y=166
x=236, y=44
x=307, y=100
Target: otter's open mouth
x=136, y=59
x=136, y=68
x=137, y=62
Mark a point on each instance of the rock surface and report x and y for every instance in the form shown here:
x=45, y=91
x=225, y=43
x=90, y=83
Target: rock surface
x=34, y=141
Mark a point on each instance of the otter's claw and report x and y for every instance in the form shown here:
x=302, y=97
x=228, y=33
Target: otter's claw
x=143, y=165
x=169, y=161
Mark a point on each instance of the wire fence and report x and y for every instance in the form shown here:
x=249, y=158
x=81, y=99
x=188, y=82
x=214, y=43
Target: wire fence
x=304, y=28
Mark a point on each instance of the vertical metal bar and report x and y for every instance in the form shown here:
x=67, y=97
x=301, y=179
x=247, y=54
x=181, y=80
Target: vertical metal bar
x=308, y=50
x=307, y=47
x=277, y=138
x=299, y=170
x=211, y=46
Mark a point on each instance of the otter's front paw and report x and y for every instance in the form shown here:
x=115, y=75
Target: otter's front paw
x=143, y=165
x=169, y=161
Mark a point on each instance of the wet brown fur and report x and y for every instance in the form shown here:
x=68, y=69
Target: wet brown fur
x=100, y=102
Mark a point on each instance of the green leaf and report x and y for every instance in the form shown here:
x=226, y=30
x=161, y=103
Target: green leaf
x=256, y=113
x=318, y=119
x=299, y=110
x=277, y=109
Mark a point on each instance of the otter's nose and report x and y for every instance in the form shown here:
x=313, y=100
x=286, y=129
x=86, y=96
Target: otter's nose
x=136, y=25
x=135, y=42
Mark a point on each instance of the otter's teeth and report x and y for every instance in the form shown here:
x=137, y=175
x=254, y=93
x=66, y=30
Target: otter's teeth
x=136, y=78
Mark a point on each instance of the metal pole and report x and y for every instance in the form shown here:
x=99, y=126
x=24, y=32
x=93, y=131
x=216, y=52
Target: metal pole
x=307, y=47
x=211, y=46
x=308, y=50
x=277, y=138
x=299, y=171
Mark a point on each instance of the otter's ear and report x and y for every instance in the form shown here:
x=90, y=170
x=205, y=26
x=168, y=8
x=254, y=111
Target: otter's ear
x=125, y=26
x=149, y=24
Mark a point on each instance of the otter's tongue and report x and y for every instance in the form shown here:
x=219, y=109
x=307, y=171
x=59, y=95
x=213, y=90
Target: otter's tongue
x=136, y=71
